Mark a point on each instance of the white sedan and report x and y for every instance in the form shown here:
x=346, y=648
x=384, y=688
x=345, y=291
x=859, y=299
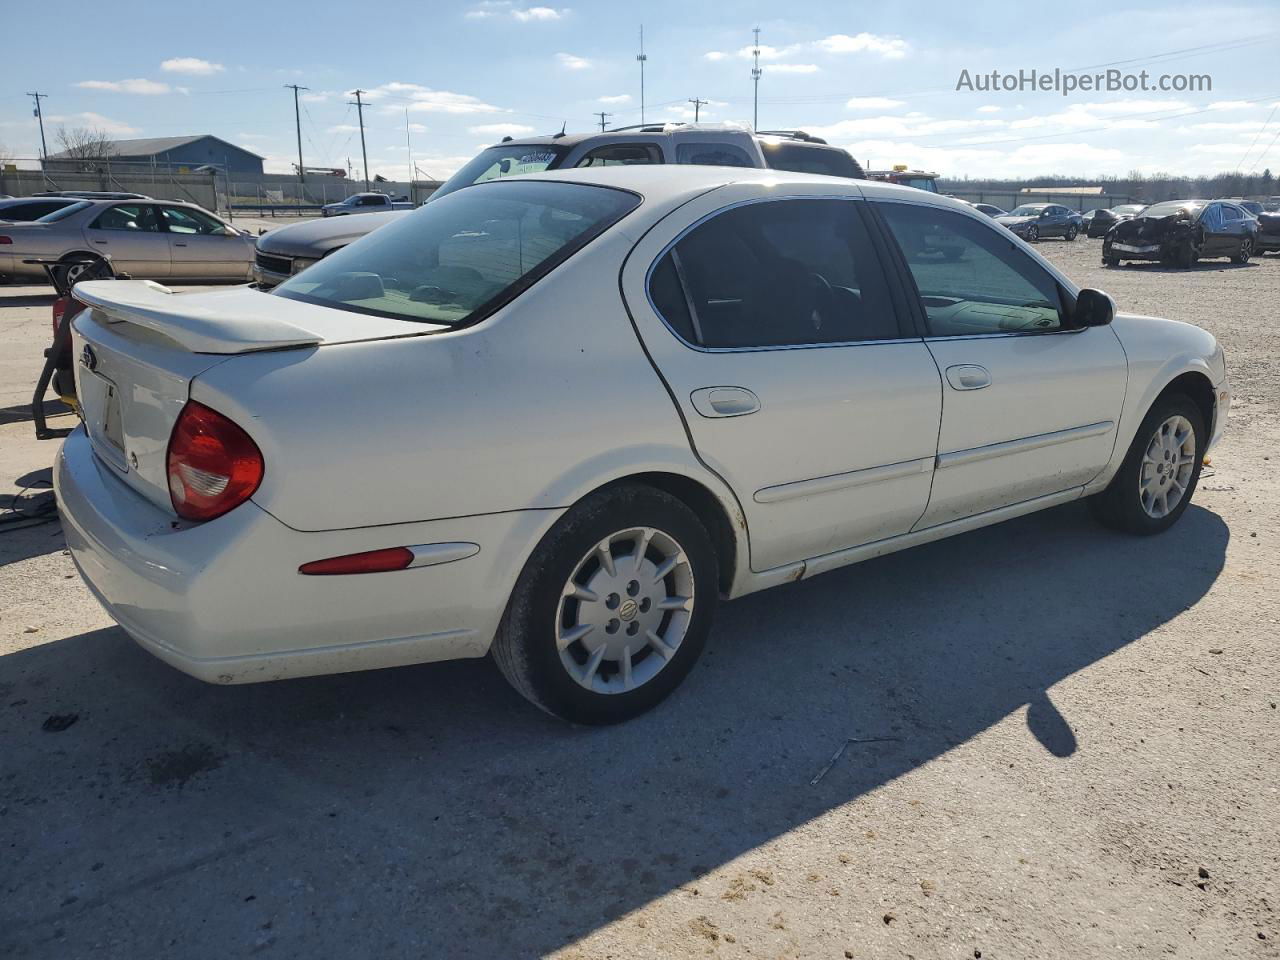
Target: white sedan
x=559, y=418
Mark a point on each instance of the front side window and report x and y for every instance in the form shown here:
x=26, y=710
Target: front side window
x=776, y=273
x=712, y=155
x=461, y=257
x=373, y=201
x=190, y=222
x=622, y=154
x=128, y=216
x=972, y=278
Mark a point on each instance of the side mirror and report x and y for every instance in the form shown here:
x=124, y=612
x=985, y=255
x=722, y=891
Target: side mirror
x=1094, y=308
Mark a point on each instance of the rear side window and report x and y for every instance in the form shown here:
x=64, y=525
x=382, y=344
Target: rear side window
x=460, y=257
x=30, y=211
x=63, y=212
x=972, y=277
x=622, y=154
x=798, y=158
x=776, y=273
x=712, y=155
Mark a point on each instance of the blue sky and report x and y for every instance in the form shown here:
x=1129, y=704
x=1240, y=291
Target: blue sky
x=879, y=79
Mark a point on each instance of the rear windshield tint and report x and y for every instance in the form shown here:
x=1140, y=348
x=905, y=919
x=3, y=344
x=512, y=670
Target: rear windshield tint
x=65, y=212
x=829, y=162
x=462, y=256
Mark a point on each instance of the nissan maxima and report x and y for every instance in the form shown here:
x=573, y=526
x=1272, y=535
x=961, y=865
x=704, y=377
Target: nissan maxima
x=560, y=418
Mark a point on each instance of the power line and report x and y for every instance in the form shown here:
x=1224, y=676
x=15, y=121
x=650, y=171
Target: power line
x=697, y=106
x=44, y=147
x=603, y=116
x=364, y=153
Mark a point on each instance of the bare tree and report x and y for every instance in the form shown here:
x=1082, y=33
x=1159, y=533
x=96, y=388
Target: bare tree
x=84, y=143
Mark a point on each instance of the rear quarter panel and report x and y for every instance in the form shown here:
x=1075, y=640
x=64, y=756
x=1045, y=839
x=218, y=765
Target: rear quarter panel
x=533, y=408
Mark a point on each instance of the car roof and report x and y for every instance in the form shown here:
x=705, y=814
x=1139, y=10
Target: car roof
x=658, y=182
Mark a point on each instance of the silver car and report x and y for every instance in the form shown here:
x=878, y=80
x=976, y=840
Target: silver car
x=147, y=239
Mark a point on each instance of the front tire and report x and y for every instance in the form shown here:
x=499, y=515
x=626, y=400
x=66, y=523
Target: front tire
x=613, y=608
x=1033, y=234
x=1071, y=232
x=1187, y=255
x=1159, y=474
x=1244, y=253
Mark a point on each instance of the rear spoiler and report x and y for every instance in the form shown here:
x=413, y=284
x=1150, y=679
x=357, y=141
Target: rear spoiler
x=191, y=322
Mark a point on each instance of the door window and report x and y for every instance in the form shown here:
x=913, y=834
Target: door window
x=712, y=155
x=1212, y=217
x=777, y=273
x=190, y=222
x=972, y=278
x=622, y=154
x=138, y=217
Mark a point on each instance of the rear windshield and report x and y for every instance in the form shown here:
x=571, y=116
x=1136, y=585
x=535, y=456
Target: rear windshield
x=65, y=212
x=831, y=162
x=461, y=257
x=505, y=160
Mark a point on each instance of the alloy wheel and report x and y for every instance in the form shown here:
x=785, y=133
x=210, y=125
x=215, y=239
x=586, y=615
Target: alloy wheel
x=1167, y=466
x=625, y=610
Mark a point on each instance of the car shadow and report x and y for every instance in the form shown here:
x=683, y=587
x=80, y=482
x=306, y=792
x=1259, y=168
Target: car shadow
x=432, y=807
x=1202, y=266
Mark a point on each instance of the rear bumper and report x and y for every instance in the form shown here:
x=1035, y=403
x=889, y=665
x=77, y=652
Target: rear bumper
x=224, y=602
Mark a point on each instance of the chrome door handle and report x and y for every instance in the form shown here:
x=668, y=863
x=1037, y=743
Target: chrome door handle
x=724, y=401
x=102, y=242
x=968, y=376
x=177, y=244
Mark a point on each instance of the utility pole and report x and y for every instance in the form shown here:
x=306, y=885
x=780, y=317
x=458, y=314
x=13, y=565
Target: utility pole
x=641, y=58
x=359, y=105
x=44, y=147
x=297, y=122
x=603, y=116
x=755, y=79
x=408, y=145
x=697, y=107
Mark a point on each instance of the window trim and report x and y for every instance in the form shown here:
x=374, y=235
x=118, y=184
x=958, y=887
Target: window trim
x=902, y=322
x=1067, y=291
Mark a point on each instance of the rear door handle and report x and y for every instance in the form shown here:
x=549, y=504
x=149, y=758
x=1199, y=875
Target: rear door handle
x=102, y=242
x=968, y=376
x=724, y=401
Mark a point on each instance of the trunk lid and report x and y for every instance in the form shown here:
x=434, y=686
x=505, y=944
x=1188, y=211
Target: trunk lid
x=139, y=346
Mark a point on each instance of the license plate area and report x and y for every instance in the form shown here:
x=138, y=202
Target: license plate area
x=1137, y=248
x=102, y=417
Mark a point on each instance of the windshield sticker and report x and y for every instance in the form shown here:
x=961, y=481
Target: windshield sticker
x=536, y=158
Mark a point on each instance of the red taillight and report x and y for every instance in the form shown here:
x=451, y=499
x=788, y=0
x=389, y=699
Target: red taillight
x=5, y=240
x=213, y=465
x=374, y=561
x=59, y=311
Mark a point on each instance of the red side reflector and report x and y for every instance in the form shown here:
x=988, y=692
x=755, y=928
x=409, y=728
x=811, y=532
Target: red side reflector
x=374, y=561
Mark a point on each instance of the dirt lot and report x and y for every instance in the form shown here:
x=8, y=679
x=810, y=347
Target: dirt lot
x=1081, y=750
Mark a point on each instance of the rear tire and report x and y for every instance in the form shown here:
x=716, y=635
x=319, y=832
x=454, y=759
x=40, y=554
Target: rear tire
x=1244, y=253
x=1071, y=232
x=1162, y=463
x=599, y=640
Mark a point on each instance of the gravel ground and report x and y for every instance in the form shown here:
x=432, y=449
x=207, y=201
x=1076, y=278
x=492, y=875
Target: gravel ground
x=1075, y=750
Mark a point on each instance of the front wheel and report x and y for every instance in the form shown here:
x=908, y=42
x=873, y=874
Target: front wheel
x=1159, y=474
x=1187, y=254
x=613, y=608
x=1033, y=234
x=1071, y=232
x=1245, y=252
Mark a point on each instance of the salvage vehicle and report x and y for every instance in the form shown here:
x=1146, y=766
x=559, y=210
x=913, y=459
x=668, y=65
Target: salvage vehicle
x=1104, y=218
x=1180, y=232
x=1268, y=238
x=154, y=240
x=364, y=203
x=591, y=404
x=1034, y=221
x=288, y=250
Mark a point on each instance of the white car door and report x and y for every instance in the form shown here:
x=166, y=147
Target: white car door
x=775, y=329
x=1030, y=401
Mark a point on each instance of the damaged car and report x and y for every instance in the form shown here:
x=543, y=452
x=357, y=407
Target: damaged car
x=1268, y=232
x=1098, y=223
x=1180, y=232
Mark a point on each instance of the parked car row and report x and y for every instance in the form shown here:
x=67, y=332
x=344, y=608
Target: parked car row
x=673, y=447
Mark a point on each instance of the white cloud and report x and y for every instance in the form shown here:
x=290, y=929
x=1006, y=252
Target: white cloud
x=620, y=98
x=97, y=121
x=1231, y=105
x=873, y=103
x=417, y=128
x=1111, y=115
x=253, y=136
x=714, y=55
x=492, y=9
x=191, y=65
x=316, y=96
x=891, y=48
x=501, y=129
x=343, y=128
x=1081, y=159
x=571, y=62
x=136, y=85
x=889, y=126
x=791, y=68
x=419, y=99
x=989, y=108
